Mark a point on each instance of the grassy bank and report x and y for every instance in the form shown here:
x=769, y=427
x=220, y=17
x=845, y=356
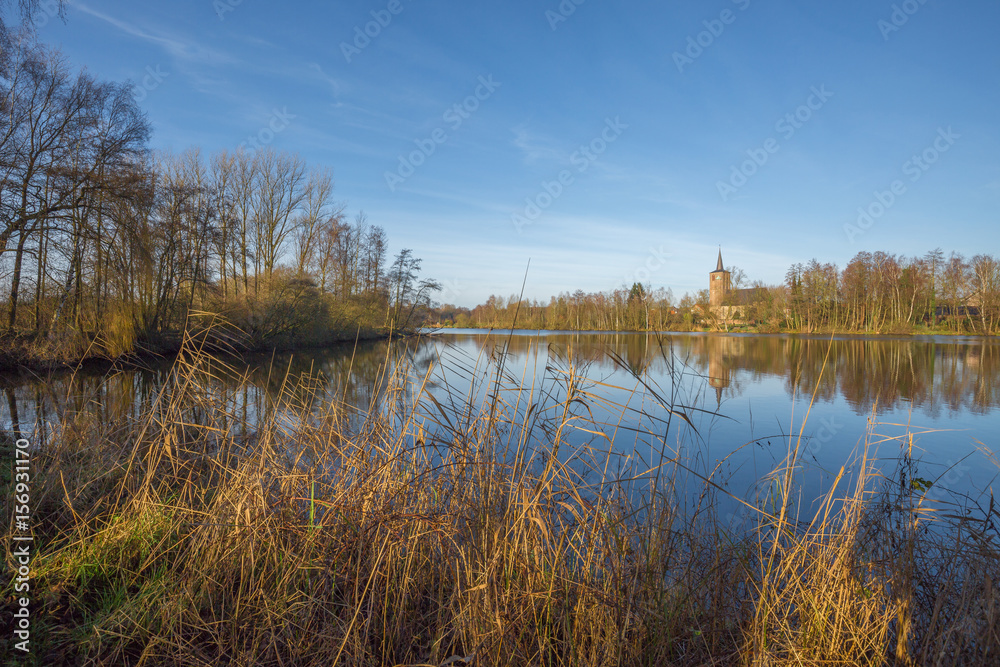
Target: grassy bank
x=68, y=349
x=35, y=353
x=438, y=532
x=286, y=311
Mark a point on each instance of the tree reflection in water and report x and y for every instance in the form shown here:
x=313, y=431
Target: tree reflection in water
x=936, y=379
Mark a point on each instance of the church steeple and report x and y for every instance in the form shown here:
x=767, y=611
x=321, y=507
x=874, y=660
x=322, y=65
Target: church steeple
x=719, y=283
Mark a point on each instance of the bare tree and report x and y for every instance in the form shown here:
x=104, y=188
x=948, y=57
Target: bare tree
x=407, y=292
x=955, y=287
x=986, y=285
x=278, y=192
x=319, y=212
x=222, y=178
x=26, y=12
x=241, y=207
x=376, y=246
x=324, y=253
x=66, y=135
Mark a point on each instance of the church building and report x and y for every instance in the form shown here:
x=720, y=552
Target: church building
x=724, y=300
x=719, y=284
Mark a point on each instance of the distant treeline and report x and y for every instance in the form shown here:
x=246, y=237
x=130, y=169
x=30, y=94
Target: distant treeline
x=876, y=293
x=634, y=309
x=104, y=244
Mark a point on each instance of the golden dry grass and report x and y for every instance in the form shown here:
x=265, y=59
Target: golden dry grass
x=426, y=531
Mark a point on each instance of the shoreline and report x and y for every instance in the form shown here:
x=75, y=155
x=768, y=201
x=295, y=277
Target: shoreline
x=13, y=360
x=853, y=334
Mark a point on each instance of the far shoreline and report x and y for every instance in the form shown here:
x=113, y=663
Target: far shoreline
x=167, y=347
x=675, y=332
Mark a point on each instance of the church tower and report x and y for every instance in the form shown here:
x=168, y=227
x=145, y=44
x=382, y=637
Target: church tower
x=718, y=284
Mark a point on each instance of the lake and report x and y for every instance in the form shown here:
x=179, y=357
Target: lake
x=729, y=406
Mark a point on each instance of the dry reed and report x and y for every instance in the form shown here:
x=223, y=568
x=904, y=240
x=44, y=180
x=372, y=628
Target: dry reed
x=430, y=529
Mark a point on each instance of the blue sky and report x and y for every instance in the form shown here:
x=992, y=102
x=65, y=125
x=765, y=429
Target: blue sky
x=606, y=142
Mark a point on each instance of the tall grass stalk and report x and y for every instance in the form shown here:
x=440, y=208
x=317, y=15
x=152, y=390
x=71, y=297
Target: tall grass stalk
x=426, y=529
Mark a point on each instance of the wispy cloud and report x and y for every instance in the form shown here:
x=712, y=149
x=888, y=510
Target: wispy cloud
x=178, y=48
x=536, y=148
x=325, y=78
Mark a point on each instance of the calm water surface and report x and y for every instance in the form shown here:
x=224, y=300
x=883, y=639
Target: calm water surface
x=743, y=395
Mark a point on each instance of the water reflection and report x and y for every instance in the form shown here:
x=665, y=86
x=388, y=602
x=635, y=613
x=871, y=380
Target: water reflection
x=931, y=375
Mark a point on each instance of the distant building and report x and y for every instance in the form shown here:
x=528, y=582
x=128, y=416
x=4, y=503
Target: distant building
x=723, y=299
x=719, y=284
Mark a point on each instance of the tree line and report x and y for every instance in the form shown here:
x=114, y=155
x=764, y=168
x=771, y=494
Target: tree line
x=101, y=239
x=880, y=291
x=638, y=308
x=877, y=292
